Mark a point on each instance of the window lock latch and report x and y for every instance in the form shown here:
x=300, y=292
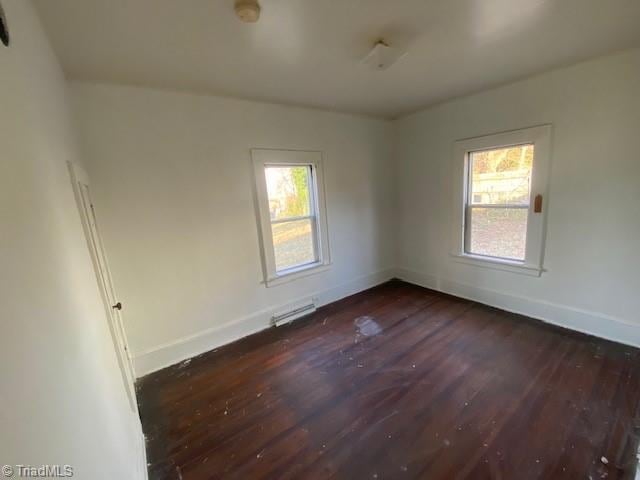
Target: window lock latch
x=537, y=204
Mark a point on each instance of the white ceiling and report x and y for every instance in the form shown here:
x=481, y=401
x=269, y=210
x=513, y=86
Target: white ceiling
x=307, y=52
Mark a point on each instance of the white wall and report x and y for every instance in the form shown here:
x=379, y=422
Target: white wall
x=61, y=396
x=592, y=260
x=172, y=180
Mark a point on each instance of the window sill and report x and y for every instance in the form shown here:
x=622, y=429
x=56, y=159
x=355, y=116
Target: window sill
x=296, y=273
x=498, y=264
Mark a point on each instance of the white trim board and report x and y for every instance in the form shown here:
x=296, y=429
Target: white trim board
x=192, y=345
x=143, y=467
x=590, y=323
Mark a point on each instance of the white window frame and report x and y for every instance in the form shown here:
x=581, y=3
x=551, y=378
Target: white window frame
x=263, y=158
x=540, y=137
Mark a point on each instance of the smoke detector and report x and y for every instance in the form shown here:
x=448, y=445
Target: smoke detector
x=248, y=10
x=382, y=56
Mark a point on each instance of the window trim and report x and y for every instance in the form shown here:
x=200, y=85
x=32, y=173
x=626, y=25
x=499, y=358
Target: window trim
x=263, y=158
x=540, y=137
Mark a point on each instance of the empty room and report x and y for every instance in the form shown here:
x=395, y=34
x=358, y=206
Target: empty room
x=320, y=239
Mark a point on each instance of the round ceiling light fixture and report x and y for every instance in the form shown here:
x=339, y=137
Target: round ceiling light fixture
x=248, y=10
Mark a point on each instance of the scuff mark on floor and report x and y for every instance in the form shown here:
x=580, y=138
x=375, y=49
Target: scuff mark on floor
x=367, y=326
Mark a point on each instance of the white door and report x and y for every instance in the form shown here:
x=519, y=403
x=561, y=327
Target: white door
x=112, y=304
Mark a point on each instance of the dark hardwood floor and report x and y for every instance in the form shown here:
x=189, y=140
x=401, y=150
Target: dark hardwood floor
x=398, y=382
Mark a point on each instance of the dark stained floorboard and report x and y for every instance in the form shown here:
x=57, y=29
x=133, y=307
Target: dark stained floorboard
x=429, y=386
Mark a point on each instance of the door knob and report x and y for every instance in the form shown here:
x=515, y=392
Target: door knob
x=117, y=306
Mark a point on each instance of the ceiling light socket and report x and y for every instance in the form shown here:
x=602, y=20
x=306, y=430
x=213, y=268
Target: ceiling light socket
x=247, y=10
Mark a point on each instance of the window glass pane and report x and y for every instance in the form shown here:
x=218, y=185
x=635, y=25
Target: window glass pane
x=293, y=243
x=498, y=232
x=501, y=176
x=288, y=191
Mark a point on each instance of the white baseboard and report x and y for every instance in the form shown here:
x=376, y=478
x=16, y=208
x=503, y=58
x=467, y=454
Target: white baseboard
x=143, y=473
x=592, y=323
x=187, y=347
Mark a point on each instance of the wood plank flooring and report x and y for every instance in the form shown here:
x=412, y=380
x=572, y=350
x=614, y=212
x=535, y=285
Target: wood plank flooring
x=398, y=382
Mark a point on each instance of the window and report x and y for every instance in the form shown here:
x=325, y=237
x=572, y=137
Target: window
x=499, y=182
x=499, y=187
x=291, y=213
